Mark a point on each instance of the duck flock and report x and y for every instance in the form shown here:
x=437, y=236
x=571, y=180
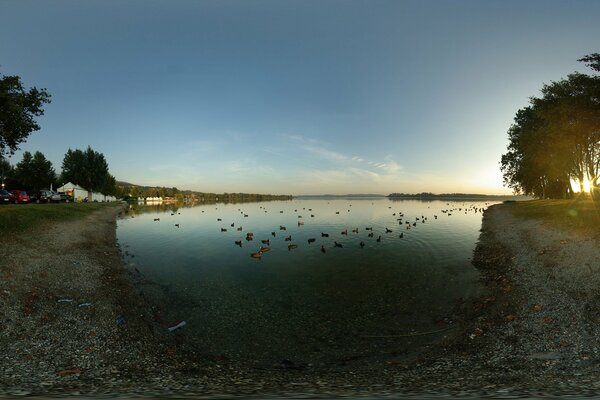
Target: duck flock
x=329, y=240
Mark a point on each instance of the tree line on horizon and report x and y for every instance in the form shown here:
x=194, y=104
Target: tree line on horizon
x=131, y=191
x=555, y=140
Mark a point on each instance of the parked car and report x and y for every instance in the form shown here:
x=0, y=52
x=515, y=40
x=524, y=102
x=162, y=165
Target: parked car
x=5, y=196
x=19, y=196
x=55, y=197
x=65, y=197
x=43, y=196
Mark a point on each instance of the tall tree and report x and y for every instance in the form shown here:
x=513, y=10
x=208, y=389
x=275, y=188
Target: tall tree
x=87, y=169
x=18, y=107
x=557, y=138
x=35, y=172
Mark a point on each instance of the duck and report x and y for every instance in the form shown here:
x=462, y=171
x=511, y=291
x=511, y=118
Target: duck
x=238, y=242
x=156, y=219
x=177, y=225
x=369, y=229
x=292, y=246
x=324, y=234
x=273, y=234
x=239, y=228
x=370, y=234
x=256, y=255
x=311, y=240
x=401, y=235
x=218, y=219
x=323, y=249
x=345, y=232
x=312, y=215
x=379, y=239
x=300, y=223
x=264, y=249
x=355, y=230
x=336, y=244
x=388, y=230
x=362, y=244
x=267, y=242
x=232, y=224
x=281, y=228
x=288, y=239
x=337, y=212
x=223, y=230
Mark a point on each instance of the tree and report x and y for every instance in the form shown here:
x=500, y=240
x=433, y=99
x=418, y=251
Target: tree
x=18, y=107
x=87, y=169
x=35, y=172
x=556, y=139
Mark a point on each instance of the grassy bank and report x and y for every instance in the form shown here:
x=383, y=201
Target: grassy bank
x=579, y=214
x=21, y=217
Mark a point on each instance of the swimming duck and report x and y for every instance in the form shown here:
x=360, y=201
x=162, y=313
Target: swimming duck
x=388, y=230
x=324, y=234
x=264, y=249
x=311, y=240
x=238, y=242
x=223, y=230
x=281, y=228
x=267, y=242
x=362, y=244
x=288, y=239
x=323, y=249
x=336, y=244
x=379, y=239
x=345, y=232
x=292, y=246
x=256, y=255
x=370, y=234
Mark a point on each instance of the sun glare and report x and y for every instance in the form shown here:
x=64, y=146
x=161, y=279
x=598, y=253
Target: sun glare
x=587, y=186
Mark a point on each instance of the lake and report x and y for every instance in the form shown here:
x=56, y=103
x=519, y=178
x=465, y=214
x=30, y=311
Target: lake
x=316, y=304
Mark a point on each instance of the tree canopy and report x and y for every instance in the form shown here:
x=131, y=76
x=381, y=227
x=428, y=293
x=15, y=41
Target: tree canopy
x=18, y=107
x=89, y=170
x=556, y=139
x=35, y=172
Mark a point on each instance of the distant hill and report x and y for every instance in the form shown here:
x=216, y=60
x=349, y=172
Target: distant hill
x=130, y=190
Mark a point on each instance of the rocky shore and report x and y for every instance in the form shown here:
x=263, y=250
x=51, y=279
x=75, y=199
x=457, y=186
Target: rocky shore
x=73, y=322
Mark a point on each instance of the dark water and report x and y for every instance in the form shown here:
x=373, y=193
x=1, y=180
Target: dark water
x=303, y=305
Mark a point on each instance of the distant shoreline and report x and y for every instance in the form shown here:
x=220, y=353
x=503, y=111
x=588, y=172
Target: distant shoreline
x=418, y=196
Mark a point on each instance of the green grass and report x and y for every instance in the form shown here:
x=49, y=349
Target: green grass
x=23, y=217
x=580, y=214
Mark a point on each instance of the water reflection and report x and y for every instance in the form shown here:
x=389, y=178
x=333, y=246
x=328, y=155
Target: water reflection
x=315, y=307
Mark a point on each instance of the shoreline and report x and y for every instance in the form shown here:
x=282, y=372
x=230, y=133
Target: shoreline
x=533, y=329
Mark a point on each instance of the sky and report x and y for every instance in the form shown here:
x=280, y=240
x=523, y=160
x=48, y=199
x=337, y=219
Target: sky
x=292, y=97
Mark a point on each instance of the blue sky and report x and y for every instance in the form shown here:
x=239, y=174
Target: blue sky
x=299, y=97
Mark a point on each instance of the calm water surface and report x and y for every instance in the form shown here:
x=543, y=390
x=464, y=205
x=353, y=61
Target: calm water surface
x=304, y=305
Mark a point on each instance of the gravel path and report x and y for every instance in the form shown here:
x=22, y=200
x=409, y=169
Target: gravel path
x=63, y=289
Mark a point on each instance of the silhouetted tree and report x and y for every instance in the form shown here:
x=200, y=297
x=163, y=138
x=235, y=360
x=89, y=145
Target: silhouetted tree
x=556, y=139
x=35, y=172
x=18, y=107
x=87, y=169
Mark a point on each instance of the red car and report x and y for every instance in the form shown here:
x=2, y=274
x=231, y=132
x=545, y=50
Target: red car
x=19, y=196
